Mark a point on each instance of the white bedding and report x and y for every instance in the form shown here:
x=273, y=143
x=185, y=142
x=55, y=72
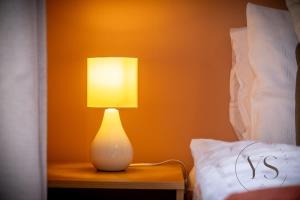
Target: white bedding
x=241, y=80
x=192, y=186
x=221, y=173
x=272, y=42
x=223, y=168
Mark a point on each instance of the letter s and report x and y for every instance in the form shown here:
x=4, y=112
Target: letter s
x=271, y=167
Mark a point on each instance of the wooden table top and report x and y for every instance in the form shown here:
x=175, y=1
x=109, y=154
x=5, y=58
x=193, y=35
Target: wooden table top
x=84, y=175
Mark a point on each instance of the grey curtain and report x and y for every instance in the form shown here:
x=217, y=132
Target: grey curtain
x=23, y=100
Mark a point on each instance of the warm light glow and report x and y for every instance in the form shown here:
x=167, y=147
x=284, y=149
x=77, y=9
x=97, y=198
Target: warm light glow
x=112, y=82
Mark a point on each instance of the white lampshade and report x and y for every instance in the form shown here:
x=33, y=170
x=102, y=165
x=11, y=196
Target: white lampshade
x=112, y=82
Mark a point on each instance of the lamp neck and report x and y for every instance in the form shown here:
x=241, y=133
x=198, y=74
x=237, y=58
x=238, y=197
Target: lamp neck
x=111, y=120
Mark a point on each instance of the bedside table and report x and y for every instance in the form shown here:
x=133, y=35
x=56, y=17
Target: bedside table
x=144, y=181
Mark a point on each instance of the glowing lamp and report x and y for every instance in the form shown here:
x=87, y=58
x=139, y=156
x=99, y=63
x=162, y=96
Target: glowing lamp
x=111, y=84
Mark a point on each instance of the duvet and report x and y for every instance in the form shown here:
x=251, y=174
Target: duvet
x=223, y=168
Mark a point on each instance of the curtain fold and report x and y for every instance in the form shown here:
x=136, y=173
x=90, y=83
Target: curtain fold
x=23, y=100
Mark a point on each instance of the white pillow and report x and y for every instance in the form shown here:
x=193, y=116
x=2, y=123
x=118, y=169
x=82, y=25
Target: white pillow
x=240, y=83
x=294, y=8
x=234, y=111
x=272, y=42
x=223, y=168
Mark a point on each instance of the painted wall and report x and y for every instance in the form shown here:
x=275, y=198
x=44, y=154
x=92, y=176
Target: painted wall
x=184, y=63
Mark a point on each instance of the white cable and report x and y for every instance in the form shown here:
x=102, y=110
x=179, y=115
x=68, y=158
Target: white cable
x=183, y=167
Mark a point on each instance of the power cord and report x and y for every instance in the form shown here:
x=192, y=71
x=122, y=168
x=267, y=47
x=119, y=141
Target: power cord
x=183, y=168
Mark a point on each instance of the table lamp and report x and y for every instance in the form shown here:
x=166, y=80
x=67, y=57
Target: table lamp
x=111, y=84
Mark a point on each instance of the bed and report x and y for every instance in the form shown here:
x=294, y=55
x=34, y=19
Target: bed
x=264, y=113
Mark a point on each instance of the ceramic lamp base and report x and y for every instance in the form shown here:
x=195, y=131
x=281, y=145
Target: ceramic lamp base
x=111, y=149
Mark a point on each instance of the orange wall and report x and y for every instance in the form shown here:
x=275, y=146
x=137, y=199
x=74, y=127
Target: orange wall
x=184, y=62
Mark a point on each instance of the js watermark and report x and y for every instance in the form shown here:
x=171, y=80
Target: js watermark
x=255, y=166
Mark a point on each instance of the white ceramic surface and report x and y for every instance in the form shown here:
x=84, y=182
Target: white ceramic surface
x=111, y=149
